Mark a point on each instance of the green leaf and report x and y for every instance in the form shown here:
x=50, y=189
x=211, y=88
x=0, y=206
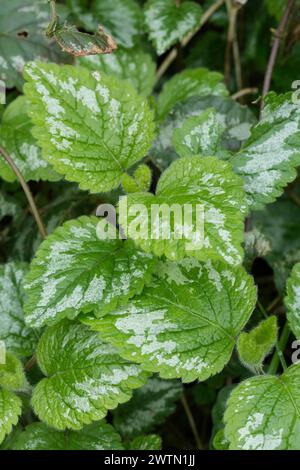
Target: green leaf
x=74, y=271
x=91, y=127
x=200, y=135
x=280, y=224
x=207, y=182
x=96, y=436
x=22, y=38
x=269, y=158
x=254, y=346
x=8, y=205
x=236, y=118
x=140, y=181
x=85, y=377
x=263, y=413
x=185, y=324
x=149, y=407
x=10, y=410
x=220, y=442
x=11, y=373
x=18, y=338
x=123, y=19
x=16, y=138
x=150, y=442
x=190, y=82
x=168, y=23
x=292, y=300
x=133, y=65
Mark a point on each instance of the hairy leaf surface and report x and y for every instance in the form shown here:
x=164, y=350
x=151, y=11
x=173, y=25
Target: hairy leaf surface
x=263, y=413
x=185, y=324
x=96, y=436
x=17, y=140
x=190, y=82
x=91, y=127
x=133, y=65
x=269, y=158
x=74, y=272
x=18, y=338
x=85, y=377
x=10, y=410
x=168, y=23
x=208, y=182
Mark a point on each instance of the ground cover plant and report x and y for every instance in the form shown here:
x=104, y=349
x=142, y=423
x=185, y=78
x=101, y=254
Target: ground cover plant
x=112, y=338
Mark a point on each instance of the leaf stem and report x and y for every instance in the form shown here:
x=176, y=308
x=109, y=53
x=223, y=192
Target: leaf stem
x=191, y=421
x=275, y=48
x=27, y=192
x=232, y=45
x=278, y=355
x=53, y=19
x=244, y=92
x=173, y=53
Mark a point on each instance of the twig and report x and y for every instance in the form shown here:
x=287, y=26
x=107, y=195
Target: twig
x=294, y=198
x=232, y=9
x=191, y=421
x=29, y=364
x=244, y=92
x=27, y=192
x=275, y=48
x=173, y=53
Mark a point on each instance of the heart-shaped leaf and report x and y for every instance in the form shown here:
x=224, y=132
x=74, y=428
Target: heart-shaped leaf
x=194, y=182
x=184, y=324
x=168, y=22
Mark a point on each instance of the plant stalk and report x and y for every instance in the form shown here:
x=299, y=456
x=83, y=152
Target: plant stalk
x=191, y=422
x=275, y=48
x=27, y=192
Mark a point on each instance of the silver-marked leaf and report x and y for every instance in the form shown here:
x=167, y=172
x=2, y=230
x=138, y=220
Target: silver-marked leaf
x=91, y=127
x=190, y=82
x=16, y=138
x=22, y=38
x=85, y=377
x=133, y=65
x=184, y=324
x=292, y=300
x=96, y=436
x=74, y=271
x=199, y=135
x=8, y=205
x=149, y=442
x=268, y=160
x=10, y=410
x=263, y=413
x=123, y=19
x=81, y=44
x=150, y=405
x=207, y=185
x=11, y=373
x=237, y=120
x=168, y=23
x=18, y=338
